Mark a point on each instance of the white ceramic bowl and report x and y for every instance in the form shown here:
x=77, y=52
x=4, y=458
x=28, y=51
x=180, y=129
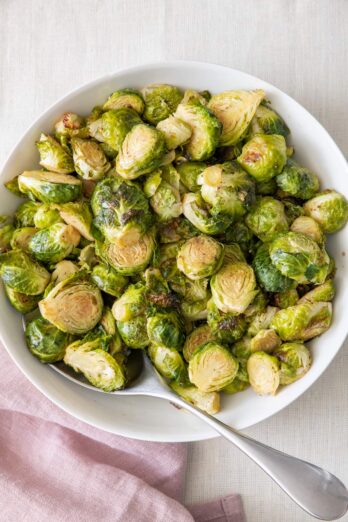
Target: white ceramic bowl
x=154, y=419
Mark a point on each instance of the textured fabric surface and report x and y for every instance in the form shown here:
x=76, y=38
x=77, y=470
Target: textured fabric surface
x=301, y=46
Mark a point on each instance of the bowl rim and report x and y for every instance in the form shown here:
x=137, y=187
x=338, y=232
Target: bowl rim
x=163, y=64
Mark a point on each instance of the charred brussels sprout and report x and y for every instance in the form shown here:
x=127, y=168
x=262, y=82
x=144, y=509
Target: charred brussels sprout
x=25, y=214
x=324, y=292
x=264, y=156
x=21, y=302
x=21, y=273
x=206, y=401
x=49, y=187
x=226, y=327
x=45, y=341
x=268, y=121
x=89, y=159
x=168, y=362
x=200, y=257
x=303, y=321
x=307, y=226
x=189, y=172
x=267, y=275
x=162, y=187
x=295, y=361
x=233, y=287
x=113, y=126
x=267, y=218
x=166, y=329
x=54, y=243
x=297, y=181
x=212, y=367
x=108, y=280
x=197, y=338
x=161, y=100
x=176, y=132
x=53, y=156
x=329, y=209
x=235, y=110
x=129, y=98
x=129, y=311
x=264, y=373
x=197, y=212
x=21, y=238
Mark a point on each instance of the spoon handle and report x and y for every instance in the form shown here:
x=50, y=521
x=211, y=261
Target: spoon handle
x=315, y=490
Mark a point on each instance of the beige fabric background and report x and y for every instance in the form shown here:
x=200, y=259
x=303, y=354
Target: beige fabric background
x=48, y=47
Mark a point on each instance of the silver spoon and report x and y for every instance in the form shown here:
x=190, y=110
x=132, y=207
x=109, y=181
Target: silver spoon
x=315, y=490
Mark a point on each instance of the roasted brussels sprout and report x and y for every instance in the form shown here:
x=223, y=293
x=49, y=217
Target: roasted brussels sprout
x=329, y=209
x=264, y=156
x=129, y=311
x=143, y=151
x=195, y=310
x=233, y=253
x=300, y=258
x=168, y=362
x=226, y=327
x=197, y=338
x=206, y=401
x=54, y=243
x=212, y=367
x=162, y=187
x=324, y=292
x=236, y=386
x=88, y=257
x=268, y=121
x=265, y=341
x=79, y=216
x=257, y=305
x=166, y=329
x=235, y=109
x=21, y=273
x=46, y=215
x=45, y=341
x=303, y=321
x=292, y=210
x=190, y=94
x=129, y=98
x=108, y=280
x=89, y=159
x=267, y=275
x=189, y=172
x=264, y=373
x=288, y=298
x=267, y=218
x=295, y=361
x=309, y=227
x=53, y=156
x=113, y=126
x=21, y=237
x=197, y=212
x=176, y=132
x=266, y=188
x=200, y=257
x=69, y=125
x=12, y=186
x=6, y=232
x=25, y=214
x=63, y=270
x=49, y=187
x=297, y=181
x=242, y=235
x=233, y=287
x=21, y=302
x=161, y=100
x=176, y=230
x=74, y=305
x=261, y=320
x=108, y=325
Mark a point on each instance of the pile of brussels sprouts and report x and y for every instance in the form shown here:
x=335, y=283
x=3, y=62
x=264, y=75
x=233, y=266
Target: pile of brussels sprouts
x=177, y=223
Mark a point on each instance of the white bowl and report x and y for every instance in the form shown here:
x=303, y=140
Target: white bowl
x=154, y=419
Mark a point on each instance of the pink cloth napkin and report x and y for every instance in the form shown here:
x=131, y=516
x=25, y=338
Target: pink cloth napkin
x=56, y=468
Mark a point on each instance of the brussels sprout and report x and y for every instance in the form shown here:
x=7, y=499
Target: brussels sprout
x=108, y=280
x=12, y=186
x=45, y=341
x=200, y=257
x=226, y=327
x=266, y=188
x=53, y=157
x=236, y=386
x=54, y=243
x=242, y=235
x=109, y=152
x=227, y=189
x=113, y=126
x=265, y=341
x=206, y=401
x=176, y=132
x=98, y=366
x=21, y=273
x=287, y=298
x=166, y=329
x=192, y=95
x=324, y=292
x=63, y=270
x=242, y=349
x=299, y=257
x=267, y=275
x=88, y=258
x=25, y=214
x=133, y=332
x=292, y=210
x=176, y=230
x=264, y=156
x=197, y=212
x=6, y=232
x=128, y=98
x=129, y=311
x=233, y=287
x=74, y=305
x=235, y=110
x=307, y=226
x=128, y=260
x=168, y=362
x=94, y=115
x=329, y=209
x=267, y=218
x=205, y=127
x=197, y=338
x=46, y=215
x=79, y=216
x=121, y=211
x=107, y=331
x=302, y=321
x=21, y=302
x=89, y=159
x=162, y=187
x=262, y=320
x=297, y=181
x=189, y=172
x=233, y=253
x=49, y=187
x=212, y=367
x=258, y=305
x=161, y=100
x=69, y=125
x=21, y=238
x=264, y=373
x=195, y=310
x=143, y=150
x=295, y=361
x=268, y=121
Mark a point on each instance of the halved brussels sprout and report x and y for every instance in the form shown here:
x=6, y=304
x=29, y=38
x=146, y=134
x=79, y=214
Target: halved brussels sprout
x=54, y=243
x=292, y=210
x=267, y=275
x=128, y=260
x=264, y=156
x=295, y=361
x=79, y=216
x=226, y=327
x=113, y=126
x=98, y=366
x=267, y=218
x=143, y=150
x=161, y=100
x=63, y=270
x=21, y=273
x=25, y=214
x=297, y=181
x=324, y=292
x=176, y=132
x=205, y=127
x=303, y=321
x=129, y=311
x=197, y=212
x=176, y=230
x=212, y=367
x=21, y=238
x=287, y=298
x=53, y=156
x=162, y=187
x=49, y=187
x=233, y=253
x=70, y=124
x=265, y=341
x=200, y=257
x=129, y=98
x=264, y=373
x=189, y=172
x=21, y=302
x=108, y=325
x=268, y=121
x=227, y=189
x=197, y=338
x=45, y=341
x=166, y=329
x=12, y=186
x=74, y=305
x=206, y=401
x=89, y=159
x=46, y=215
x=329, y=209
x=108, y=280
x=168, y=362
x=309, y=227
x=88, y=258
x=233, y=287
x=299, y=257
x=235, y=110
x=261, y=320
